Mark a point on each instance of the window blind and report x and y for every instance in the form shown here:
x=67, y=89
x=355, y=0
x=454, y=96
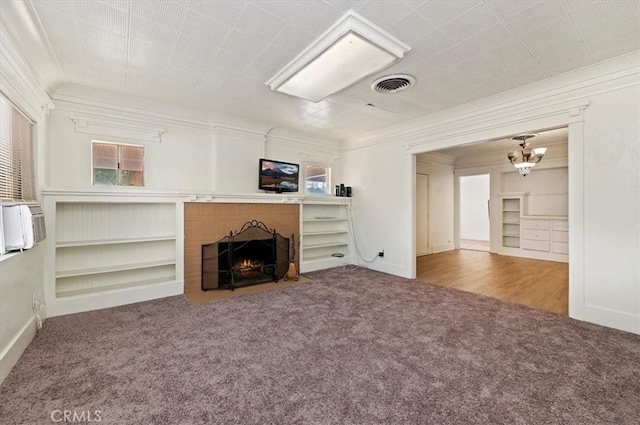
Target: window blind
x=17, y=168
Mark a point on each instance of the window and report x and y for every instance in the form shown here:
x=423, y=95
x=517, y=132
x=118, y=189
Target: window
x=318, y=179
x=17, y=162
x=117, y=164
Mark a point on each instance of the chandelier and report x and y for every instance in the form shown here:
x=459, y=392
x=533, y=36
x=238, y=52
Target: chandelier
x=526, y=158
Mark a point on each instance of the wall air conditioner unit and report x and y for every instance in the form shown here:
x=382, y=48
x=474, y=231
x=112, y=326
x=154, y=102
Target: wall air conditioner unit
x=22, y=226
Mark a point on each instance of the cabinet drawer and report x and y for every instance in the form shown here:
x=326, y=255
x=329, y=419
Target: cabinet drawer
x=560, y=225
x=558, y=236
x=536, y=235
x=534, y=224
x=560, y=247
x=534, y=245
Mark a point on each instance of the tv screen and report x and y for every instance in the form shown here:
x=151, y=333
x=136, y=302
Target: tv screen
x=278, y=176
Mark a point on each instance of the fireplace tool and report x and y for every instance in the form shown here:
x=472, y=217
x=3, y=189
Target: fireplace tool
x=292, y=273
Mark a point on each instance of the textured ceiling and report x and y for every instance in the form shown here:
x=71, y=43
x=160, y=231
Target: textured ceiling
x=217, y=55
x=500, y=147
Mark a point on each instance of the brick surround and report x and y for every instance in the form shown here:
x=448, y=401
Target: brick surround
x=208, y=222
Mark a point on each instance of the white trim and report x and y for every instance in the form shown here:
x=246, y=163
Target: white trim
x=612, y=318
x=539, y=118
x=107, y=299
x=144, y=113
x=546, y=97
x=18, y=81
x=14, y=349
x=125, y=128
x=350, y=22
x=577, y=261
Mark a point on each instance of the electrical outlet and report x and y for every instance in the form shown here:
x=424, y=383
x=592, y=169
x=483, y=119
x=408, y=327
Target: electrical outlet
x=381, y=253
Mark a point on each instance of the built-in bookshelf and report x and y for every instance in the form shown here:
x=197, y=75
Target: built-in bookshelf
x=325, y=239
x=511, y=211
x=110, y=252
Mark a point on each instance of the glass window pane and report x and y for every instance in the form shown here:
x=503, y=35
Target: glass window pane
x=105, y=176
x=317, y=179
x=131, y=158
x=105, y=155
x=131, y=178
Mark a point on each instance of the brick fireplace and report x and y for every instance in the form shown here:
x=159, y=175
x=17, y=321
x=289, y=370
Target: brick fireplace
x=209, y=222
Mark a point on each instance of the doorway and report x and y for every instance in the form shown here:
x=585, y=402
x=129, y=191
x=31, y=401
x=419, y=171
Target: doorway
x=475, y=212
x=422, y=214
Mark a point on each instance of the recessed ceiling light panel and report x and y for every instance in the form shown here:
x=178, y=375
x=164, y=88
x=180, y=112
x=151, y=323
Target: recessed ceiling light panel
x=352, y=49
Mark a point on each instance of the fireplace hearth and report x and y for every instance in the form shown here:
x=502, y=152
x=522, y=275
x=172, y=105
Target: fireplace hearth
x=248, y=256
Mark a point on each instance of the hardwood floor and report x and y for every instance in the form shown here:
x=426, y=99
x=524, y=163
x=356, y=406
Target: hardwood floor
x=536, y=283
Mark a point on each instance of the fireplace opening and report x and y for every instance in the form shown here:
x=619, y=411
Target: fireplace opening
x=251, y=262
x=254, y=254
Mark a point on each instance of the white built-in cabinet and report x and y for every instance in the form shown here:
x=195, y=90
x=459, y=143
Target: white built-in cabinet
x=532, y=236
x=112, y=250
x=324, y=234
x=511, y=222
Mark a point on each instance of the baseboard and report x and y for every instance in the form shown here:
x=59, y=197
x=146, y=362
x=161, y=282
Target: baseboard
x=381, y=266
x=113, y=298
x=613, y=319
x=442, y=248
x=11, y=354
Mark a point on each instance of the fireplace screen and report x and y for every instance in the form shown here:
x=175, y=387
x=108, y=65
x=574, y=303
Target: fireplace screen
x=254, y=254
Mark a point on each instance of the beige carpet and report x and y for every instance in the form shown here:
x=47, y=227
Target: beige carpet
x=347, y=347
x=199, y=297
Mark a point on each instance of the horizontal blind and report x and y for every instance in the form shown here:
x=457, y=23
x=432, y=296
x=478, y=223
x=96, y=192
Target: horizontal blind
x=17, y=168
x=105, y=155
x=132, y=158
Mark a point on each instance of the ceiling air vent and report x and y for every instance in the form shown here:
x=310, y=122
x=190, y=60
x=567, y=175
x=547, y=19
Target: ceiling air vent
x=393, y=83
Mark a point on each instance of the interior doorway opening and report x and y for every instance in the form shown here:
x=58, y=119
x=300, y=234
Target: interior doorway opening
x=475, y=226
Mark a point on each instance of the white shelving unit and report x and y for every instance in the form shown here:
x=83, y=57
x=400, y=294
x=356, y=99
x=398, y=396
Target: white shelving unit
x=112, y=250
x=511, y=211
x=324, y=231
x=532, y=236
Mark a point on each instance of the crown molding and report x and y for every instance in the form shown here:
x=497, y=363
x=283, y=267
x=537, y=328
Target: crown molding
x=239, y=133
x=19, y=82
x=21, y=21
x=297, y=143
x=565, y=94
x=129, y=129
x=80, y=98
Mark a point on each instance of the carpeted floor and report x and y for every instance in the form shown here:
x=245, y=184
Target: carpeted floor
x=348, y=347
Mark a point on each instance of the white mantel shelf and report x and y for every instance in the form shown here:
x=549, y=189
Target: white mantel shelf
x=138, y=194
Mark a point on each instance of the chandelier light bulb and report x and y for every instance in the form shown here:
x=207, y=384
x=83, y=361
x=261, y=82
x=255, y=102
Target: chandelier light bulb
x=526, y=158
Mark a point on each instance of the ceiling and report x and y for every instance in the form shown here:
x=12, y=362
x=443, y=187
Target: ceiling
x=217, y=55
x=500, y=147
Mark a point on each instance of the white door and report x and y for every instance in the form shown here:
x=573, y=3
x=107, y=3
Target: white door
x=422, y=214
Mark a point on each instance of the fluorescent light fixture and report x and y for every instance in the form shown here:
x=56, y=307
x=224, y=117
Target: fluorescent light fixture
x=351, y=49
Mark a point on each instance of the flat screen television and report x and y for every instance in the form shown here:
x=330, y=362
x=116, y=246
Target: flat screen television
x=278, y=176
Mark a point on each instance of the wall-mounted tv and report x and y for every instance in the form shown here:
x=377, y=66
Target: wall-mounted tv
x=278, y=176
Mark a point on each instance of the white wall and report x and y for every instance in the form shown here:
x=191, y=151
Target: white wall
x=601, y=106
x=612, y=209
x=21, y=276
x=182, y=160
x=381, y=216
x=547, y=190
x=291, y=146
x=188, y=156
x=21, y=273
x=474, y=208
